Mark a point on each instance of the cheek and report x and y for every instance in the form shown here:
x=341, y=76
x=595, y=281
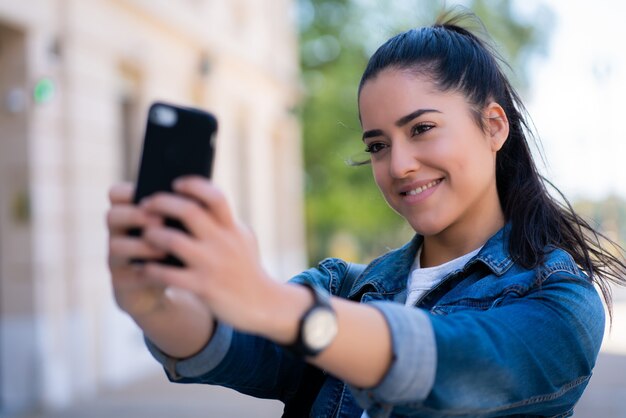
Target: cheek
x=381, y=177
x=449, y=157
x=470, y=155
x=378, y=177
x=474, y=168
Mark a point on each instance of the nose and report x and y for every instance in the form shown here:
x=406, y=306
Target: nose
x=403, y=160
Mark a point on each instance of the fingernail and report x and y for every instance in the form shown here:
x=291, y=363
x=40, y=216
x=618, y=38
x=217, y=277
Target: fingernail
x=177, y=184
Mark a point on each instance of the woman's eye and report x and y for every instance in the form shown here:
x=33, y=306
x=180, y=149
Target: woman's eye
x=421, y=128
x=375, y=147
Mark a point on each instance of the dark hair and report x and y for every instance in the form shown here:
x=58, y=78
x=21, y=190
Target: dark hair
x=455, y=59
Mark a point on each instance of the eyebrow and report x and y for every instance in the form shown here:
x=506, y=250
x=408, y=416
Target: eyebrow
x=400, y=122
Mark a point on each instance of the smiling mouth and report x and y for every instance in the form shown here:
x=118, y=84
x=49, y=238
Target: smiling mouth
x=422, y=189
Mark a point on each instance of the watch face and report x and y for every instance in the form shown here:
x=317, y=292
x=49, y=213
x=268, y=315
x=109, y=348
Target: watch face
x=319, y=329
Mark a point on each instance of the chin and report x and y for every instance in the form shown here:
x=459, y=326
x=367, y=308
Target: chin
x=427, y=228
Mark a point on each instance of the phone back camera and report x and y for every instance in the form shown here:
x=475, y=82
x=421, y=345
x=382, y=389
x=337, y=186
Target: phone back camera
x=163, y=116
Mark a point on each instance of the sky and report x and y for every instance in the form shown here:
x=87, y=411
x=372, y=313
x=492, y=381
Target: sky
x=577, y=99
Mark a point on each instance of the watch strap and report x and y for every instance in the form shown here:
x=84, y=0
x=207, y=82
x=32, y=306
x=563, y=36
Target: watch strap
x=320, y=300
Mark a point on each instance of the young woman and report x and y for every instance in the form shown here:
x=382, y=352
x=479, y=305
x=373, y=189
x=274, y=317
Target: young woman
x=489, y=311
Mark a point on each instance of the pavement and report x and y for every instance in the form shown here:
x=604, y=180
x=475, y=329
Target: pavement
x=156, y=397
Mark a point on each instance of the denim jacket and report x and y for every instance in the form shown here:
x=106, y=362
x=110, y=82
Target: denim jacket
x=492, y=339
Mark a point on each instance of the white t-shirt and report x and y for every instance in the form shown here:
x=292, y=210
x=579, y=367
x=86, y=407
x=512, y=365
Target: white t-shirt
x=421, y=280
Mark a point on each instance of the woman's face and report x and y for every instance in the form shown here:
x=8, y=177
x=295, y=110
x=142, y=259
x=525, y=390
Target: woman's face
x=434, y=165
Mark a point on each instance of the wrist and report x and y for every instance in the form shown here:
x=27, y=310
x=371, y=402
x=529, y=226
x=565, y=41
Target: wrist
x=285, y=305
x=317, y=327
x=182, y=326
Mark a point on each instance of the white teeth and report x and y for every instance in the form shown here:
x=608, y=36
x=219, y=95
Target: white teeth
x=421, y=189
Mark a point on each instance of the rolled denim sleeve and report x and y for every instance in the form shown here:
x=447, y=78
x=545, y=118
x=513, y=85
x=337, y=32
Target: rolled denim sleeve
x=411, y=375
x=199, y=364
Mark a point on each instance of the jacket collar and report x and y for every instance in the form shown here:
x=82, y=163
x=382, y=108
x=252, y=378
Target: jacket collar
x=495, y=253
x=388, y=273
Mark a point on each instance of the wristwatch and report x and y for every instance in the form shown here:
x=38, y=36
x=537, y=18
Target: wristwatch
x=318, y=326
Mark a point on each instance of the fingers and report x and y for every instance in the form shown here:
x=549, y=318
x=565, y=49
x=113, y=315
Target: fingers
x=209, y=195
x=167, y=276
x=175, y=242
x=121, y=218
x=196, y=199
x=195, y=218
x=123, y=248
x=121, y=193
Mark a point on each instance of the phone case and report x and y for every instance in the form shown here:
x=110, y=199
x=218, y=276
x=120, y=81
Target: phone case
x=178, y=141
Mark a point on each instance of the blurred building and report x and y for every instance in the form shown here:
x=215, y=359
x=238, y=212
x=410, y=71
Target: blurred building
x=76, y=79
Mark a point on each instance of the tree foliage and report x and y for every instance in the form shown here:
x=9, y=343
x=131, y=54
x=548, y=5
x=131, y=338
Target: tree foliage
x=346, y=215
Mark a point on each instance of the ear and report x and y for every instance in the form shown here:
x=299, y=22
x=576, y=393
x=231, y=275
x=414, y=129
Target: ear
x=497, y=125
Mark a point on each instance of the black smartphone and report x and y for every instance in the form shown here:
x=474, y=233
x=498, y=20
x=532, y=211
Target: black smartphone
x=178, y=141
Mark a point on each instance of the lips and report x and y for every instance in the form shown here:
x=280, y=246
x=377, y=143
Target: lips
x=420, y=187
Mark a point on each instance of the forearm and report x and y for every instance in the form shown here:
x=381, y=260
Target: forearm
x=180, y=326
x=360, y=354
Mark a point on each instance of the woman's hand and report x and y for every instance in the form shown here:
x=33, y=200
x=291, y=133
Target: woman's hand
x=174, y=319
x=133, y=293
x=223, y=278
x=222, y=264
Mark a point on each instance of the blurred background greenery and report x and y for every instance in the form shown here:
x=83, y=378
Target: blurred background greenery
x=346, y=215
